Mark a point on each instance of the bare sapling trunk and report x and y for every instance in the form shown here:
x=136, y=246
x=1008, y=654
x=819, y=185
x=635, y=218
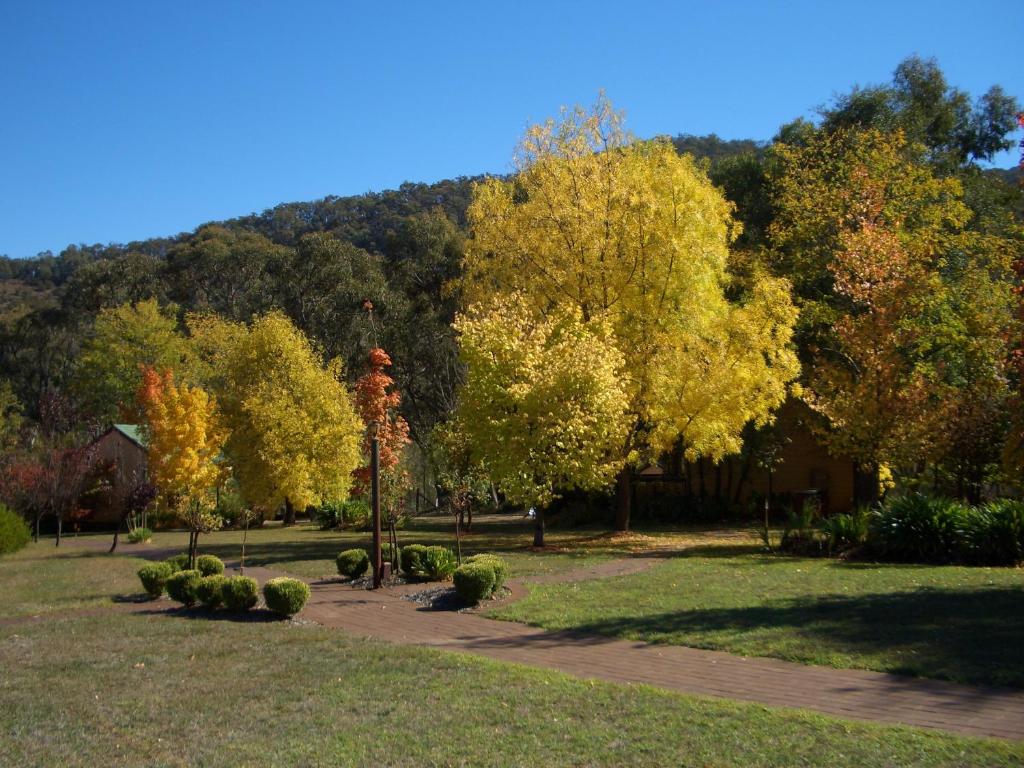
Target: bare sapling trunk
x=623, y=500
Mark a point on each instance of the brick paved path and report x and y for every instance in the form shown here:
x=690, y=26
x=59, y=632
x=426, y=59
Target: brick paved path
x=854, y=694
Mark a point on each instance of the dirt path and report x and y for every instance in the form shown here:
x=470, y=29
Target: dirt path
x=854, y=694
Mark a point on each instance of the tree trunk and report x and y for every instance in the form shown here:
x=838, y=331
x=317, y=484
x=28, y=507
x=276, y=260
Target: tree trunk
x=865, y=485
x=623, y=500
x=60, y=522
x=289, y=512
x=117, y=534
x=35, y=535
x=538, y=528
x=469, y=519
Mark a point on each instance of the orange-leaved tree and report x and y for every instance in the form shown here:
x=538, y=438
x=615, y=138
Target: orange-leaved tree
x=185, y=437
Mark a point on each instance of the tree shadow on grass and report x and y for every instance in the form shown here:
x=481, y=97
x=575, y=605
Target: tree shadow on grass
x=971, y=636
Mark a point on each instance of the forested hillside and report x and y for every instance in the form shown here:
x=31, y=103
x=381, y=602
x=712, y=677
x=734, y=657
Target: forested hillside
x=381, y=269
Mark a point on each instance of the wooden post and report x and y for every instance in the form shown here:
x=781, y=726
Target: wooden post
x=378, y=566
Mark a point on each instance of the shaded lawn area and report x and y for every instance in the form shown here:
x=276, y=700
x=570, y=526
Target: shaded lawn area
x=172, y=690
x=43, y=578
x=306, y=551
x=962, y=624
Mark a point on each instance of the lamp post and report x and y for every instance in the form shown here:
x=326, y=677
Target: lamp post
x=378, y=565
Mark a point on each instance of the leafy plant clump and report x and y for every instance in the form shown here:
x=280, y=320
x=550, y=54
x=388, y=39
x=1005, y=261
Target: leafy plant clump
x=140, y=536
x=436, y=564
x=919, y=529
x=240, y=593
x=993, y=533
x=14, y=531
x=209, y=565
x=154, y=578
x=181, y=586
x=410, y=558
x=353, y=563
x=474, y=582
x=210, y=590
x=285, y=596
x=844, y=532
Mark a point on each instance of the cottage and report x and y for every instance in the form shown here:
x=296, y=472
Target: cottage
x=122, y=450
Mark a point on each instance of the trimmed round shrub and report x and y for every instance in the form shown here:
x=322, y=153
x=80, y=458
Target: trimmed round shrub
x=178, y=562
x=353, y=563
x=499, y=566
x=14, y=531
x=285, y=596
x=210, y=590
x=140, y=536
x=154, y=578
x=410, y=558
x=474, y=582
x=181, y=586
x=209, y=565
x=437, y=564
x=240, y=593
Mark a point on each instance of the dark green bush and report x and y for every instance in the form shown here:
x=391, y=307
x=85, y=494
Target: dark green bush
x=140, y=535
x=178, y=562
x=210, y=590
x=209, y=565
x=474, y=582
x=154, y=578
x=329, y=515
x=14, y=531
x=919, y=529
x=993, y=534
x=411, y=558
x=495, y=563
x=240, y=593
x=847, y=531
x=285, y=596
x=436, y=564
x=181, y=586
x=353, y=563
x=355, y=513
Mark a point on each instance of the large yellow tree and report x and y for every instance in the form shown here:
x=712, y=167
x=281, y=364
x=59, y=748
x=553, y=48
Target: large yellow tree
x=630, y=234
x=294, y=431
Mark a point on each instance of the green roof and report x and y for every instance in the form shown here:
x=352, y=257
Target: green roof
x=133, y=432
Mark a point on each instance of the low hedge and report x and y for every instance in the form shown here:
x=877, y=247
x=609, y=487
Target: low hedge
x=14, y=531
x=210, y=590
x=285, y=596
x=209, y=565
x=240, y=593
x=353, y=563
x=181, y=586
x=154, y=578
x=474, y=582
x=499, y=566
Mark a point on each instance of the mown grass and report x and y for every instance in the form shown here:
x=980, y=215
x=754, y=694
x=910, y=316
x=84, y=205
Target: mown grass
x=963, y=624
x=166, y=689
x=42, y=578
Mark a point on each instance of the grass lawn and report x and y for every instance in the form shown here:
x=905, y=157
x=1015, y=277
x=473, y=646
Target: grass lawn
x=306, y=551
x=178, y=690
x=42, y=578
x=963, y=624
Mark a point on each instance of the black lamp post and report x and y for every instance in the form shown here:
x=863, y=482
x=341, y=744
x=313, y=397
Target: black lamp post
x=378, y=564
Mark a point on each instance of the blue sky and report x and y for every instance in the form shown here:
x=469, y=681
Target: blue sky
x=123, y=121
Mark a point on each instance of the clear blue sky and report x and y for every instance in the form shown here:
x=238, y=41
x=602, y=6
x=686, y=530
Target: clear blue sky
x=122, y=121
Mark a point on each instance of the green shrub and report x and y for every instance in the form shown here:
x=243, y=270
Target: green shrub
x=385, y=553
x=847, y=531
x=411, y=558
x=919, y=529
x=209, y=565
x=178, y=562
x=240, y=593
x=993, y=534
x=139, y=536
x=285, y=596
x=329, y=515
x=353, y=563
x=436, y=564
x=210, y=590
x=498, y=565
x=181, y=586
x=14, y=531
x=800, y=532
x=154, y=578
x=474, y=582
x=355, y=513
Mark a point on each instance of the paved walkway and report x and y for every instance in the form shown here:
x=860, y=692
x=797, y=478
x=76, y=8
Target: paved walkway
x=854, y=694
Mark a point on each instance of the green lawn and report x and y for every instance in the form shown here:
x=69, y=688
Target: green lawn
x=964, y=624
x=172, y=690
x=42, y=578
